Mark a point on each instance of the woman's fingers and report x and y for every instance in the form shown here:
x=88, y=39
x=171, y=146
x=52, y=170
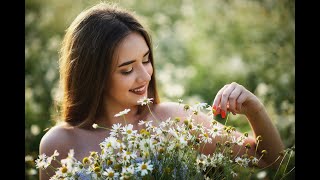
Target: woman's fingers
x=240, y=101
x=236, y=99
x=233, y=100
x=225, y=98
x=217, y=99
x=229, y=98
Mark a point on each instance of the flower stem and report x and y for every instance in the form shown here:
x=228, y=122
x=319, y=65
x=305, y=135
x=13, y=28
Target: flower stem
x=152, y=114
x=226, y=120
x=287, y=163
x=203, y=147
x=287, y=173
x=125, y=121
x=101, y=127
x=271, y=163
x=255, y=153
x=237, y=153
x=280, y=165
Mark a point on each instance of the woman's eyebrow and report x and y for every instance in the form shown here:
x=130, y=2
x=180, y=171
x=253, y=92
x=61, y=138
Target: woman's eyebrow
x=132, y=61
x=127, y=63
x=146, y=53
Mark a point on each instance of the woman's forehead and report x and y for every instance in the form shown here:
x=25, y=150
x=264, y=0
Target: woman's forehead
x=132, y=47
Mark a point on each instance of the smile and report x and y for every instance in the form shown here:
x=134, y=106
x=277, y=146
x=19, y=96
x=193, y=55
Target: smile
x=139, y=90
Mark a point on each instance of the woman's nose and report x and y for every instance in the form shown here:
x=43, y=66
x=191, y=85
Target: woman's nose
x=144, y=75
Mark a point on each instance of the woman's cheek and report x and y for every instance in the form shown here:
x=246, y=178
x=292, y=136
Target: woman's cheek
x=150, y=69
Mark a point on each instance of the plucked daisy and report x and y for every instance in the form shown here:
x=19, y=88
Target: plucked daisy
x=144, y=101
x=124, y=112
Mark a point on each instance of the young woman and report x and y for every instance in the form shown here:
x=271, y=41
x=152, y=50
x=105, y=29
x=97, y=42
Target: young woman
x=107, y=65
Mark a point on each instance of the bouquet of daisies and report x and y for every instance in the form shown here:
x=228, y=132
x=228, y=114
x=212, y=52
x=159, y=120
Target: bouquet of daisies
x=171, y=150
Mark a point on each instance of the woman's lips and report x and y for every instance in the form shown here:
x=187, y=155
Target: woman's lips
x=140, y=90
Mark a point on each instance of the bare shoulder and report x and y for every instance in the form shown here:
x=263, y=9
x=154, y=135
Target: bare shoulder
x=57, y=138
x=164, y=110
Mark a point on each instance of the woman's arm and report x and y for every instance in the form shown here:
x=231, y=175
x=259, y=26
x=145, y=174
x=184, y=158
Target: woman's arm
x=55, y=139
x=238, y=100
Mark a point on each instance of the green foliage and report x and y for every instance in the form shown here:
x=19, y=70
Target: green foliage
x=199, y=46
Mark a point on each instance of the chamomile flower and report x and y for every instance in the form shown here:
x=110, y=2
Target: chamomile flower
x=128, y=155
x=215, y=131
x=144, y=168
x=242, y=161
x=205, y=138
x=233, y=174
x=115, y=130
x=110, y=143
x=141, y=122
x=127, y=172
x=144, y=101
x=110, y=174
x=95, y=126
x=128, y=130
x=183, y=141
x=124, y=112
x=254, y=160
x=41, y=162
x=238, y=140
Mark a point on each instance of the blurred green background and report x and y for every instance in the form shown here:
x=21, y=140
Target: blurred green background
x=198, y=46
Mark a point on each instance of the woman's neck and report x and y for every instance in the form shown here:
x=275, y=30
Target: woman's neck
x=135, y=114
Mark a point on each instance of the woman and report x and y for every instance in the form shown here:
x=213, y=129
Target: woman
x=107, y=65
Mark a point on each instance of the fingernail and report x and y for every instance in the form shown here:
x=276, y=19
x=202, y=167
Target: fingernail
x=214, y=107
x=216, y=111
x=223, y=114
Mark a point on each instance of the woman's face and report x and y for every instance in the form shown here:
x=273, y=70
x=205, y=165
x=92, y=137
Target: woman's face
x=131, y=73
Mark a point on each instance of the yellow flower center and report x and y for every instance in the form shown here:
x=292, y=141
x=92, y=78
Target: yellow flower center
x=117, y=166
x=167, y=170
x=142, y=131
x=186, y=122
x=64, y=169
x=111, y=174
x=85, y=160
x=161, y=150
x=93, y=154
x=146, y=154
x=143, y=166
x=177, y=119
x=97, y=169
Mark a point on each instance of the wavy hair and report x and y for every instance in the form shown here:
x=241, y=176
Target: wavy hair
x=85, y=63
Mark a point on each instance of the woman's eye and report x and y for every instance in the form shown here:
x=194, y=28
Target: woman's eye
x=127, y=72
x=145, y=62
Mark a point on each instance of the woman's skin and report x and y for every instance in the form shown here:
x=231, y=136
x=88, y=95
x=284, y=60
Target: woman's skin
x=130, y=78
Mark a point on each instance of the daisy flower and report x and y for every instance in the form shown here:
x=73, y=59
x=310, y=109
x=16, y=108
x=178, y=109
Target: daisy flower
x=144, y=101
x=143, y=167
x=110, y=174
x=124, y=112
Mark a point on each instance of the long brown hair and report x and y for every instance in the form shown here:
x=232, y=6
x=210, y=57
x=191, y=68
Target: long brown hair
x=86, y=57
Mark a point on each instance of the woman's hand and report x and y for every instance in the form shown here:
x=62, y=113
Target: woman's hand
x=236, y=99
